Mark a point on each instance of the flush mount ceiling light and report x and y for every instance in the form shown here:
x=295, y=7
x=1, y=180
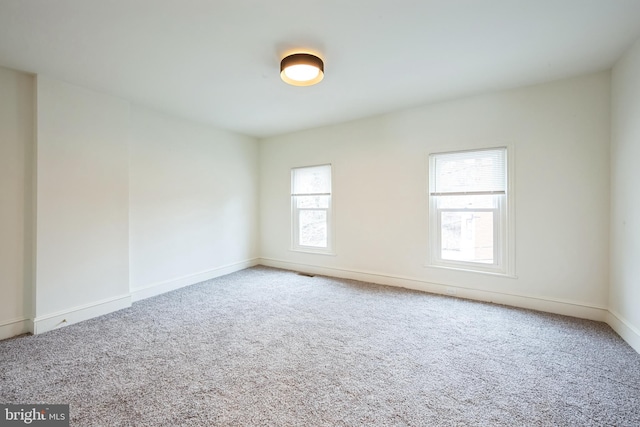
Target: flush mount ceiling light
x=302, y=69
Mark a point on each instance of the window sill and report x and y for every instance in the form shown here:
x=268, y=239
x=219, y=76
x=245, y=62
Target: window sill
x=311, y=251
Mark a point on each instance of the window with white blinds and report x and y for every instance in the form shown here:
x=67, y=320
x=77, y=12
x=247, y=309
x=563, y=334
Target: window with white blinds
x=470, y=172
x=312, y=180
x=468, y=193
x=311, y=224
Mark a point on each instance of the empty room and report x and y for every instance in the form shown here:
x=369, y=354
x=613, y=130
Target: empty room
x=320, y=213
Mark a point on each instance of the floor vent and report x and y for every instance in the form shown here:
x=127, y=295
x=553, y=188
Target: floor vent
x=306, y=274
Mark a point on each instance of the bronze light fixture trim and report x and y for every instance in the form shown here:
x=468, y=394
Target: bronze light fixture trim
x=301, y=69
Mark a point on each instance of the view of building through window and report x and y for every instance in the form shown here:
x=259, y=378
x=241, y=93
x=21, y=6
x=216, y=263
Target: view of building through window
x=467, y=236
x=467, y=208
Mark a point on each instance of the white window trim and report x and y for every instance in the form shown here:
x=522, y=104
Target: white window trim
x=329, y=250
x=505, y=235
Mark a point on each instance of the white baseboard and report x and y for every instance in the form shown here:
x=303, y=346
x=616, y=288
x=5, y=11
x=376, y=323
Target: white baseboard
x=566, y=308
x=618, y=323
x=11, y=328
x=625, y=329
x=77, y=314
x=158, y=288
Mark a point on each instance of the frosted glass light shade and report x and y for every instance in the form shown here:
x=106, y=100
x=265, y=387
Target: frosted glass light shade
x=301, y=72
x=302, y=69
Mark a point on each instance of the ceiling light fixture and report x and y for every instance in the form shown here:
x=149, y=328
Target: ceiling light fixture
x=302, y=69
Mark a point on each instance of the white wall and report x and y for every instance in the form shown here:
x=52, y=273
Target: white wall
x=560, y=135
x=82, y=260
x=625, y=198
x=120, y=202
x=193, y=202
x=16, y=157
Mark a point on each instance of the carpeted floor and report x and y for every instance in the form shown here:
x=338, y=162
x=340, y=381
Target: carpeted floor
x=270, y=347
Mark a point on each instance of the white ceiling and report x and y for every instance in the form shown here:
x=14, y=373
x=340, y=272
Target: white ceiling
x=217, y=61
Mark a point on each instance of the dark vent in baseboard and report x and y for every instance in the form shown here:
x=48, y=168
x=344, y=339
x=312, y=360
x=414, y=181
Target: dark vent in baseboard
x=306, y=274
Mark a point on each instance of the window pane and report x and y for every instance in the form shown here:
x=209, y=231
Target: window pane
x=467, y=236
x=313, y=228
x=467, y=202
x=312, y=201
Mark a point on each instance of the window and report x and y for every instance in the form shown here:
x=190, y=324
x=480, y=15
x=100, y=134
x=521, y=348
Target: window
x=468, y=210
x=311, y=209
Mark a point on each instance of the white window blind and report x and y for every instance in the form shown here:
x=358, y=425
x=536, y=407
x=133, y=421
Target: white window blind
x=314, y=180
x=470, y=173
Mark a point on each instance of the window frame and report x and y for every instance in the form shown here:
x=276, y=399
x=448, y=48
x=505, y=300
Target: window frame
x=503, y=224
x=295, y=215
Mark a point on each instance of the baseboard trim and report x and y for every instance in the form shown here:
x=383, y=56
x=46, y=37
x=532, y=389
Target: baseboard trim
x=567, y=308
x=13, y=327
x=77, y=314
x=625, y=329
x=159, y=288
